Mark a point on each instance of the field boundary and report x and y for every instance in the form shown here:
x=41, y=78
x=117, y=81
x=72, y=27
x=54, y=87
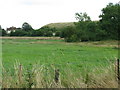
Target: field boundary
x=40, y=38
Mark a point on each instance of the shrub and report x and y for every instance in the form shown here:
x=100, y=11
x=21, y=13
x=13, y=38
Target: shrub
x=26, y=27
x=84, y=38
x=72, y=38
x=101, y=35
x=2, y=32
x=19, y=33
x=36, y=33
x=48, y=33
x=70, y=34
x=58, y=33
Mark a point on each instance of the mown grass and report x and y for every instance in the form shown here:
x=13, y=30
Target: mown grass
x=74, y=60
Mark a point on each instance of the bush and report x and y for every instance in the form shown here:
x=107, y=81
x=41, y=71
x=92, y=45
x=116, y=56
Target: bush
x=110, y=21
x=70, y=34
x=101, y=35
x=84, y=38
x=27, y=27
x=46, y=28
x=2, y=32
x=84, y=31
x=48, y=33
x=58, y=33
x=19, y=33
x=72, y=38
x=63, y=34
x=36, y=33
x=90, y=31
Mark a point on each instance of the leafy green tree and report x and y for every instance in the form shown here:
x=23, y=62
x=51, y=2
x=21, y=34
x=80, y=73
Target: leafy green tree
x=82, y=17
x=110, y=20
x=101, y=35
x=48, y=33
x=82, y=25
x=78, y=33
x=46, y=28
x=88, y=30
x=2, y=32
x=36, y=33
x=0, y=27
x=58, y=33
x=70, y=34
x=19, y=33
x=27, y=27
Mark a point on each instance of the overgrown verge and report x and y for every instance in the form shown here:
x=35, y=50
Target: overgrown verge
x=42, y=76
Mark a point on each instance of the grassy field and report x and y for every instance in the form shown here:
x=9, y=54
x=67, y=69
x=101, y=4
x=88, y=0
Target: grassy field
x=72, y=59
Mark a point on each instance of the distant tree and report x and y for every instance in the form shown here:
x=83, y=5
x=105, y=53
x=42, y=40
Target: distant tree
x=66, y=32
x=82, y=26
x=36, y=33
x=82, y=17
x=48, y=33
x=70, y=34
x=2, y=32
x=57, y=33
x=47, y=28
x=19, y=33
x=91, y=30
x=27, y=27
x=79, y=32
x=110, y=20
x=0, y=27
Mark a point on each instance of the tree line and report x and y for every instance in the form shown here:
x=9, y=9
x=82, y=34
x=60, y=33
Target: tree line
x=85, y=29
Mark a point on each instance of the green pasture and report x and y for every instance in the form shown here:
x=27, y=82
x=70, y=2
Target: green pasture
x=74, y=56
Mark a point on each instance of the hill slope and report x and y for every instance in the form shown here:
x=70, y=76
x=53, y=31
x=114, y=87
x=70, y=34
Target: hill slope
x=60, y=25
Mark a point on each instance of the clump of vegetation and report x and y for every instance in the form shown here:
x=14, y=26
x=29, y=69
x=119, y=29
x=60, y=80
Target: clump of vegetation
x=109, y=20
x=27, y=30
x=83, y=30
x=42, y=76
x=2, y=32
x=26, y=27
x=19, y=33
x=87, y=30
x=70, y=34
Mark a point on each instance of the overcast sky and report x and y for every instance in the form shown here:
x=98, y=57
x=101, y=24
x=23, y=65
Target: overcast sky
x=41, y=12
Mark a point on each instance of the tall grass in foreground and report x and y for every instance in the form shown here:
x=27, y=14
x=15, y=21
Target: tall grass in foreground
x=42, y=76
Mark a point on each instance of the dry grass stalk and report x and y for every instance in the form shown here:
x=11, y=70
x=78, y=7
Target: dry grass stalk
x=42, y=77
